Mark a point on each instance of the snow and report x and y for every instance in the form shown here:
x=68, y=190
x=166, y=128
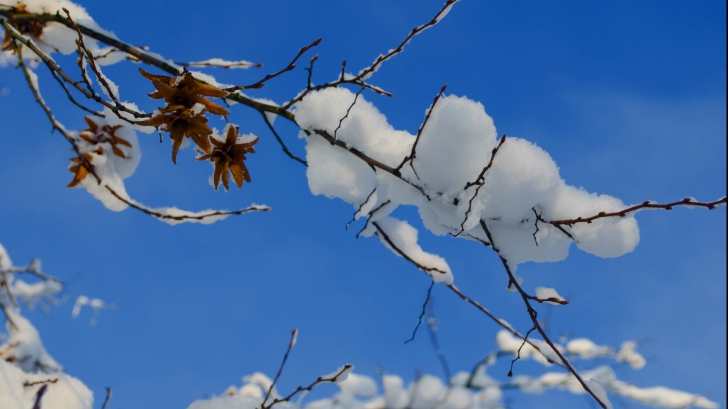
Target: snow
x=523, y=178
x=219, y=62
x=544, y=293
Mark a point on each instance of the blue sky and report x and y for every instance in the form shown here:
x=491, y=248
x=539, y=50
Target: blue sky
x=629, y=98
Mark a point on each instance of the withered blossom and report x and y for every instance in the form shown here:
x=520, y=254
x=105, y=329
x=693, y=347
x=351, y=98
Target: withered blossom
x=230, y=156
x=32, y=28
x=186, y=104
x=80, y=169
x=106, y=133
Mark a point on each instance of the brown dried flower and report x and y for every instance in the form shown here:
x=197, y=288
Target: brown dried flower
x=230, y=156
x=183, y=116
x=80, y=169
x=94, y=135
x=30, y=27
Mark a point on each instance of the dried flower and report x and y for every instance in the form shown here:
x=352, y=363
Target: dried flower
x=230, y=156
x=81, y=169
x=106, y=133
x=32, y=28
x=186, y=104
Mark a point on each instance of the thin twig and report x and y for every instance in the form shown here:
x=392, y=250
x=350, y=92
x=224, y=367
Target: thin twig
x=347, y=112
x=480, y=182
x=533, y=315
x=186, y=217
x=54, y=123
x=318, y=380
x=431, y=325
x=687, y=202
x=39, y=396
x=292, y=342
x=108, y=398
x=280, y=141
x=422, y=314
x=353, y=218
x=27, y=384
x=363, y=74
x=290, y=66
x=369, y=160
x=413, y=153
x=518, y=353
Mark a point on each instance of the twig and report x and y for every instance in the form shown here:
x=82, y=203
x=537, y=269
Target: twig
x=309, y=387
x=55, y=125
x=480, y=182
x=280, y=141
x=353, y=218
x=27, y=384
x=39, y=396
x=463, y=296
x=518, y=353
x=310, y=71
x=381, y=233
x=422, y=314
x=370, y=161
x=431, y=325
x=109, y=394
x=186, y=217
x=347, y=112
x=687, y=202
x=81, y=50
x=371, y=213
x=533, y=315
x=51, y=64
x=413, y=153
x=292, y=342
x=366, y=72
x=290, y=66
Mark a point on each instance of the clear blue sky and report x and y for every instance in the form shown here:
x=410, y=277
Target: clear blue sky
x=629, y=98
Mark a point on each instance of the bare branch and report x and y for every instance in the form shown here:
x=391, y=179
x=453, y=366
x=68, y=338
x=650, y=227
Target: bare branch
x=292, y=342
x=461, y=295
x=280, y=141
x=158, y=215
x=366, y=72
x=39, y=396
x=353, y=218
x=109, y=394
x=411, y=157
x=370, y=161
x=480, y=181
x=687, y=202
x=533, y=315
x=432, y=329
x=422, y=314
x=318, y=380
x=347, y=112
x=290, y=66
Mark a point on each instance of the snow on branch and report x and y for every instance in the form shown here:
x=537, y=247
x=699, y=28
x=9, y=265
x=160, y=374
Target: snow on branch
x=368, y=71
